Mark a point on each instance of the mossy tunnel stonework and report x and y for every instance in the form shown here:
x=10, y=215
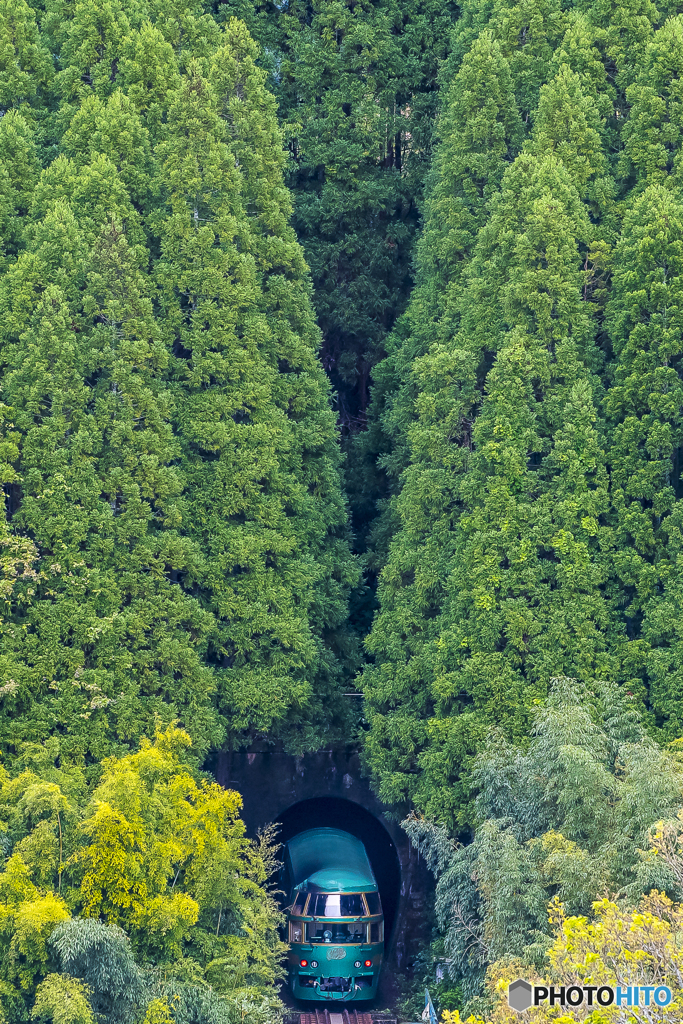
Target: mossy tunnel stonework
x=328, y=789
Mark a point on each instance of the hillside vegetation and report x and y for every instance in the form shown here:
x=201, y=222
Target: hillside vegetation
x=530, y=403
x=341, y=349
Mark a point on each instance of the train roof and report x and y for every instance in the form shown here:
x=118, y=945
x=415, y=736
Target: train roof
x=331, y=860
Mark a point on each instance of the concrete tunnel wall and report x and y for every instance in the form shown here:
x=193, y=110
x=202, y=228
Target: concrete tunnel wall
x=328, y=789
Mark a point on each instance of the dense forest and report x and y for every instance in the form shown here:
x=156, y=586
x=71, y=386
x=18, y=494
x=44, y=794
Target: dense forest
x=341, y=353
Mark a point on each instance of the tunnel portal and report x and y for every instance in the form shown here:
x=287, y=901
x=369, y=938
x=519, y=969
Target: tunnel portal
x=328, y=789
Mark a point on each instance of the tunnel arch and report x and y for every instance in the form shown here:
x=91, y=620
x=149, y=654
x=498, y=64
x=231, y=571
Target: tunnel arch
x=280, y=787
x=335, y=812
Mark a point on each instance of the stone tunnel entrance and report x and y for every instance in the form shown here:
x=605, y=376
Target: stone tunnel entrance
x=328, y=789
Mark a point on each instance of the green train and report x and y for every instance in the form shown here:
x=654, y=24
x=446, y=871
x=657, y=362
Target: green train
x=334, y=920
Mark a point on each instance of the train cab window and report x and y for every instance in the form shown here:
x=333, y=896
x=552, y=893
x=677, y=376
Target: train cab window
x=374, y=905
x=296, y=931
x=336, y=905
x=352, y=905
x=335, y=932
x=326, y=906
x=377, y=931
x=300, y=903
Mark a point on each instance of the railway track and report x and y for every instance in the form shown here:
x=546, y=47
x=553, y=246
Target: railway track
x=344, y=1016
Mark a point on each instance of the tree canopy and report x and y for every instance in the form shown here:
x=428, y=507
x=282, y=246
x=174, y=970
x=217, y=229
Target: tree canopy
x=341, y=355
x=526, y=414
x=131, y=892
x=171, y=460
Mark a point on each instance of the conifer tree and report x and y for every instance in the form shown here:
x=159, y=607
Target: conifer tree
x=262, y=496
x=528, y=33
x=19, y=170
x=26, y=70
x=358, y=90
x=567, y=123
x=479, y=133
x=190, y=28
x=108, y=640
x=628, y=26
x=89, y=43
x=512, y=589
x=175, y=453
x=652, y=135
x=645, y=318
x=149, y=74
x=582, y=50
x=114, y=130
x=501, y=57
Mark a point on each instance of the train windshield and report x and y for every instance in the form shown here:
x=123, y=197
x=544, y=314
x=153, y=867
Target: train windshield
x=300, y=903
x=336, y=905
x=374, y=906
x=319, y=931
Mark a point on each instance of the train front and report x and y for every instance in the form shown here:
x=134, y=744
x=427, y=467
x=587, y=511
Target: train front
x=336, y=945
x=335, y=922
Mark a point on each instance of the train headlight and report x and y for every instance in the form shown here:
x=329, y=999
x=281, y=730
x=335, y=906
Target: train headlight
x=314, y=963
x=303, y=963
x=368, y=963
x=357, y=963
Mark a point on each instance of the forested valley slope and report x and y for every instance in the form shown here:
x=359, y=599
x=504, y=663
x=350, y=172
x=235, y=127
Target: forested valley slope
x=340, y=352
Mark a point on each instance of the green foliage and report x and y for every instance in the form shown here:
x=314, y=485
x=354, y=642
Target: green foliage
x=647, y=331
x=98, y=958
x=653, y=132
x=480, y=133
x=613, y=946
x=526, y=414
x=568, y=123
x=175, y=546
x=528, y=33
x=564, y=821
x=26, y=70
x=170, y=445
x=357, y=88
x=107, y=445
x=62, y=1000
x=259, y=460
x=148, y=868
x=19, y=170
x=504, y=578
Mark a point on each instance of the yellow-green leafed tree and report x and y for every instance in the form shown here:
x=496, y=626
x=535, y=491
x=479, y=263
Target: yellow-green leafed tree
x=163, y=853
x=152, y=864
x=27, y=919
x=62, y=1000
x=638, y=946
